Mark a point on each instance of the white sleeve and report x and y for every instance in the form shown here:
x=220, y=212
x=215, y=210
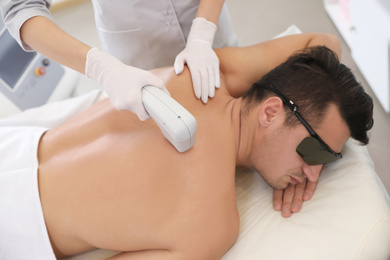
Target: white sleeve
x=15, y=13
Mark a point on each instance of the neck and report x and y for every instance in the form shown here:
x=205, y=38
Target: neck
x=243, y=135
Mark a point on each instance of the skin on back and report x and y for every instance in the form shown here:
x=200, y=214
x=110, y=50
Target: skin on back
x=108, y=180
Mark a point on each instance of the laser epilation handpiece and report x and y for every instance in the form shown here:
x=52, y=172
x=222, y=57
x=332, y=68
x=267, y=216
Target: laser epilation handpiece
x=175, y=122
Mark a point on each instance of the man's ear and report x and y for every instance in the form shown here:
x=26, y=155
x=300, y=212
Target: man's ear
x=269, y=110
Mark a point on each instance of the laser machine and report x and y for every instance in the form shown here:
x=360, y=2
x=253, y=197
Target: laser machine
x=28, y=79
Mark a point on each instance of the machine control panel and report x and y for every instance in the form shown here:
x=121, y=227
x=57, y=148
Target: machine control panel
x=27, y=79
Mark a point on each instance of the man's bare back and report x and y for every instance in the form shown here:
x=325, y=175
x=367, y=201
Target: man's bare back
x=108, y=180
x=141, y=193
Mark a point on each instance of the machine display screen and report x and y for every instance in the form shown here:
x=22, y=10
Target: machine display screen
x=13, y=59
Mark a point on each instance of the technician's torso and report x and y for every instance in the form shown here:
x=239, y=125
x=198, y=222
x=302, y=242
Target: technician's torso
x=149, y=34
x=108, y=180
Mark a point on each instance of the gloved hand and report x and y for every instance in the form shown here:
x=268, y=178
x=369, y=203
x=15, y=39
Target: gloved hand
x=122, y=83
x=201, y=59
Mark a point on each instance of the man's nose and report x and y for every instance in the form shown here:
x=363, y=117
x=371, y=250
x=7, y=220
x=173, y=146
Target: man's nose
x=312, y=172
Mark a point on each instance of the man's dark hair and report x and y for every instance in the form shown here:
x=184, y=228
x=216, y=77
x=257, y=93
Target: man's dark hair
x=313, y=79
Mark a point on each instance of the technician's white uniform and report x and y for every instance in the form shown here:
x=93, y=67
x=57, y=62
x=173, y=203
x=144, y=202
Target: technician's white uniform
x=142, y=33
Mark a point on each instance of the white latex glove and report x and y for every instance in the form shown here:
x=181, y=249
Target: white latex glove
x=122, y=83
x=200, y=59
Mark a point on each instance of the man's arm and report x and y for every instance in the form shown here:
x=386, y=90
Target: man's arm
x=246, y=65
x=146, y=254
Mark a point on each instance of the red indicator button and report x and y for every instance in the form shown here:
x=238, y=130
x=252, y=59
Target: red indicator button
x=40, y=71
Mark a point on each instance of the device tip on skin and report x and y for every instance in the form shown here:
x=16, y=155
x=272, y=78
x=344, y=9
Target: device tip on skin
x=176, y=123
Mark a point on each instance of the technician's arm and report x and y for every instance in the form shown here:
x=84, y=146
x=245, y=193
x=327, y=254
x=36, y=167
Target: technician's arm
x=122, y=83
x=44, y=36
x=198, y=54
x=210, y=10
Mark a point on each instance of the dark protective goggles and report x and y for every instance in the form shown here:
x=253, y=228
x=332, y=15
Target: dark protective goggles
x=312, y=149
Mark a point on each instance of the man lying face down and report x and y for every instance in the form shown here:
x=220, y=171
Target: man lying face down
x=107, y=180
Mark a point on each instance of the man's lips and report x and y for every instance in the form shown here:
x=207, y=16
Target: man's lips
x=295, y=181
